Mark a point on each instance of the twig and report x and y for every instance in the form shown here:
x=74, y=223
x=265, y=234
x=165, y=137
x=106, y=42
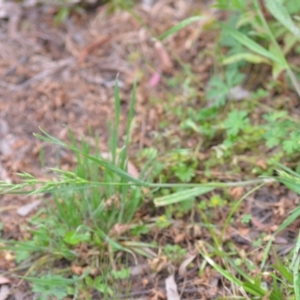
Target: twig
x=61, y=64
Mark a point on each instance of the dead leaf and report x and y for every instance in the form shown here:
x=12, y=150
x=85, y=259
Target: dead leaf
x=11, y=11
x=94, y=272
x=280, y=240
x=132, y=170
x=4, y=292
x=238, y=93
x=157, y=294
x=171, y=288
x=184, y=264
x=119, y=229
x=158, y=264
x=243, y=231
x=262, y=164
x=179, y=238
x=4, y=280
x=256, y=222
x=77, y=270
x=18, y=295
x=25, y=210
x=165, y=60
x=145, y=282
x=139, y=269
x=236, y=192
x=154, y=80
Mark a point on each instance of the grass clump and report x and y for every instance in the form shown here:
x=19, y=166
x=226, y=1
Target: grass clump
x=89, y=233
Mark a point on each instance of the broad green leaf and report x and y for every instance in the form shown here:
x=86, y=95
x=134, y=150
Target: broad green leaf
x=178, y=27
x=249, y=57
x=181, y=196
x=277, y=68
x=252, y=45
x=279, y=11
x=74, y=238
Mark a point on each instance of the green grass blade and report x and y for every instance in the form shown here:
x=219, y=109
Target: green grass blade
x=249, y=57
x=130, y=116
x=282, y=269
x=296, y=278
x=223, y=272
x=181, y=196
x=250, y=44
x=296, y=252
x=266, y=253
x=102, y=162
x=178, y=27
x=279, y=12
x=295, y=267
x=115, y=126
x=290, y=184
x=237, y=205
x=286, y=169
x=249, y=287
x=289, y=220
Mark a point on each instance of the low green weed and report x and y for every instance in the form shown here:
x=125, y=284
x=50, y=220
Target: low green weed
x=220, y=88
x=89, y=207
x=87, y=203
x=175, y=253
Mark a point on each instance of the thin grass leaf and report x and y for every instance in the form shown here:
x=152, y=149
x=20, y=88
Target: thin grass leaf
x=52, y=280
x=252, y=45
x=286, y=169
x=296, y=278
x=266, y=252
x=102, y=162
x=289, y=220
x=254, y=289
x=292, y=185
x=130, y=116
x=223, y=272
x=181, y=196
x=296, y=252
x=237, y=205
x=178, y=27
x=239, y=270
x=249, y=57
x=279, y=12
x=282, y=269
x=115, y=127
x=295, y=267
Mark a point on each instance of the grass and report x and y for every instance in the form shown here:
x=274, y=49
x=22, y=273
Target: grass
x=94, y=208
